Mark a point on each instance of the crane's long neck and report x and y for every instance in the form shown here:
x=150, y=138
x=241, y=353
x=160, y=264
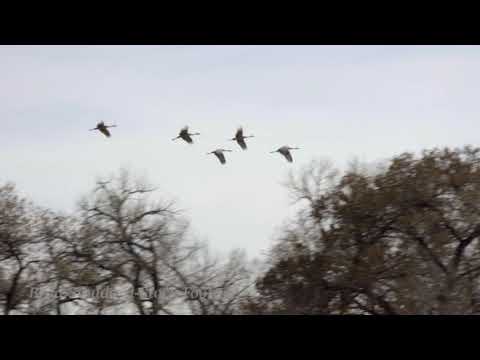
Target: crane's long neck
x=194, y=134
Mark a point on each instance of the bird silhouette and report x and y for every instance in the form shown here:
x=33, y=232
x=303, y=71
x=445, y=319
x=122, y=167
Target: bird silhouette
x=185, y=135
x=219, y=154
x=285, y=151
x=103, y=128
x=240, y=138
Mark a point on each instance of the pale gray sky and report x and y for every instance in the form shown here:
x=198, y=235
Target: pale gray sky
x=333, y=102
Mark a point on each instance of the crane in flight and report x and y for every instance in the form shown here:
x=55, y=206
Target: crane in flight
x=219, y=154
x=285, y=151
x=240, y=138
x=185, y=135
x=103, y=128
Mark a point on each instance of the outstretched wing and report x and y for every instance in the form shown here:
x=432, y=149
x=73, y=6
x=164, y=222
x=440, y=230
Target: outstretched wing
x=220, y=157
x=242, y=143
x=239, y=133
x=187, y=138
x=104, y=131
x=287, y=155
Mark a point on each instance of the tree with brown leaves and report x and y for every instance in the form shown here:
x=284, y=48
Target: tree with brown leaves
x=405, y=240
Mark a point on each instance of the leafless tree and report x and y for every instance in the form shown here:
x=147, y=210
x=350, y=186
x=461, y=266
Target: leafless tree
x=20, y=250
x=140, y=251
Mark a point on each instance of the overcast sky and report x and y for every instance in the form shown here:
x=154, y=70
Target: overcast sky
x=334, y=102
